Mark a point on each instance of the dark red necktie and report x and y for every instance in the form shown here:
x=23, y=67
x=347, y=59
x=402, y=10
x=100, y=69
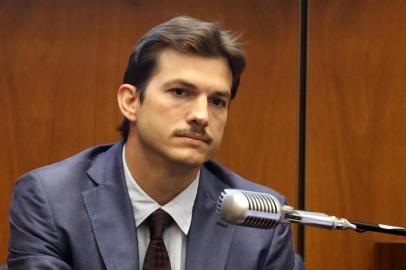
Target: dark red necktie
x=157, y=257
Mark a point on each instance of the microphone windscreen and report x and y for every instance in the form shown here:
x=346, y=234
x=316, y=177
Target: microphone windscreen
x=249, y=208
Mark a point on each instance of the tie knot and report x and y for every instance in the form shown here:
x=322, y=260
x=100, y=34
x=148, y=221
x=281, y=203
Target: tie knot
x=157, y=222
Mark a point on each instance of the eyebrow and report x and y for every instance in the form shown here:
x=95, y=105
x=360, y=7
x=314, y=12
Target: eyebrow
x=219, y=93
x=224, y=94
x=181, y=82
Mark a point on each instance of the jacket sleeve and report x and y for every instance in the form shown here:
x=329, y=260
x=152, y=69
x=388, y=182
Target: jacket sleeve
x=281, y=253
x=34, y=240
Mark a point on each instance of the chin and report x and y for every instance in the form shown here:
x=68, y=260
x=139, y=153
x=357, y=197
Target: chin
x=191, y=160
x=190, y=157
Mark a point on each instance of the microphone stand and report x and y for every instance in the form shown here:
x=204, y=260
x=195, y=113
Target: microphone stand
x=363, y=227
x=331, y=222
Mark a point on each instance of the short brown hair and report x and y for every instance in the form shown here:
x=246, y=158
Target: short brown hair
x=188, y=35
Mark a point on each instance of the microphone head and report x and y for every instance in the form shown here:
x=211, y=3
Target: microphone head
x=249, y=208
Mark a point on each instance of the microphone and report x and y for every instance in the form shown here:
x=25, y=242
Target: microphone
x=264, y=211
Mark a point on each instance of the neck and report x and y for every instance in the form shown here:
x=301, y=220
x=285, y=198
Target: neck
x=161, y=179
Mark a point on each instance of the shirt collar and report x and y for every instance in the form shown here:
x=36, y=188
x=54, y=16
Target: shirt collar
x=179, y=208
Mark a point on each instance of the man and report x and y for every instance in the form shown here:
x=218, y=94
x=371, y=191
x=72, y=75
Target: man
x=95, y=209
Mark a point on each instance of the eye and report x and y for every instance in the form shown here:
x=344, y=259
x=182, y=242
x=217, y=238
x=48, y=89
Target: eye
x=218, y=102
x=180, y=92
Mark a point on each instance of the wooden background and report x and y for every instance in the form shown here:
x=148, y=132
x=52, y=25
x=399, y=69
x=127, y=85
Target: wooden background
x=356, y=159
x=61, y=63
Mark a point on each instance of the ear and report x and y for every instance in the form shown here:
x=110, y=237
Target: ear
x=128, y=101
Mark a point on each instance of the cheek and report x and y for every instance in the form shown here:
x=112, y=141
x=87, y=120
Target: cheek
x=176, y=113
x=218, y=124
x=166, y=114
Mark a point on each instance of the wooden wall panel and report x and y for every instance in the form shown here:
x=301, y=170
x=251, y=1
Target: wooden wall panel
x=356, y=125
x=61, y=63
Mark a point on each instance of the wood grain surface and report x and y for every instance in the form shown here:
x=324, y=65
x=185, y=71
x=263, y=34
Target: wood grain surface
x=356, y=125
x=390, y=255
x=61, y=63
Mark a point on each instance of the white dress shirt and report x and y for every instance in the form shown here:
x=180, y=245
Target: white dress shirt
x=180, y=209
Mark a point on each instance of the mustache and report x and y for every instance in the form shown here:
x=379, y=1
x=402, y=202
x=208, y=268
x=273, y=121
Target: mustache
x=194, y=132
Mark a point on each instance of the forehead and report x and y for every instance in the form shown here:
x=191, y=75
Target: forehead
x=203, y=72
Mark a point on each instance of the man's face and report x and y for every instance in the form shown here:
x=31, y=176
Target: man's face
x=184, y=112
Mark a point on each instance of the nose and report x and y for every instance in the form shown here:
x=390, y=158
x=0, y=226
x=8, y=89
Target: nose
x=198, y=113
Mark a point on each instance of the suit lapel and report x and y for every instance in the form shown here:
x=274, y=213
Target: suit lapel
x=110, y=212
x=209, y=238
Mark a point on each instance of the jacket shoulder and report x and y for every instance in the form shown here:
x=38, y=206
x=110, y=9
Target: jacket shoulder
x=233, y=180
x=67, y=170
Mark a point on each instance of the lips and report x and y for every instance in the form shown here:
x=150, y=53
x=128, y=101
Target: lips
x=195, y=136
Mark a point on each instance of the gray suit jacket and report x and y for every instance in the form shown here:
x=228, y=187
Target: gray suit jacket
x=76, y=214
